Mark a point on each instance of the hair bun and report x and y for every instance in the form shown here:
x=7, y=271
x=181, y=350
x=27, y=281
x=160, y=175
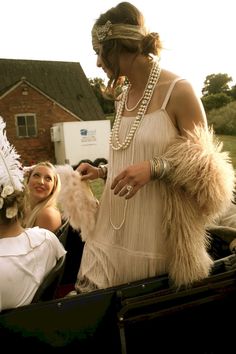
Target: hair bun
x=153, y=35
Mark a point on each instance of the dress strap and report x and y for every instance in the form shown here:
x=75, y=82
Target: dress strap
x=172, y=85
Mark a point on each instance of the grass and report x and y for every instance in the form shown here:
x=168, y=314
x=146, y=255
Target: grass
x=229, y=144
x=97, y=187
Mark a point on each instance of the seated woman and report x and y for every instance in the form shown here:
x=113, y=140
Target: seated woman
x=44, y=185
x=26, y=255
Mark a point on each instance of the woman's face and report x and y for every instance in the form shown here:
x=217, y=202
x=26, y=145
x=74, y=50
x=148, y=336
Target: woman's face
x=41, y=183
x=100, y=63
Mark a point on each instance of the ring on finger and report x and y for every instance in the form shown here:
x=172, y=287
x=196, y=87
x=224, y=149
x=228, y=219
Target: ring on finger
x=129, y=188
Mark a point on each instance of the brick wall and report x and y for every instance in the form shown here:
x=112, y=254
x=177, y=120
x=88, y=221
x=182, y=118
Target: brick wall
x=25, y=99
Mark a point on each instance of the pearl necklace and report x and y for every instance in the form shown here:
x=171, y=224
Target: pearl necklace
x=119, y=225
x=146, y=98
x=135, y=106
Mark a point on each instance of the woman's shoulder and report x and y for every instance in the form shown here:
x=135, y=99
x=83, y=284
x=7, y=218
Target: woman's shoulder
x=39, y=235
x=49, y=210
x=181, y=88
x=168, y=77
x=49, y=218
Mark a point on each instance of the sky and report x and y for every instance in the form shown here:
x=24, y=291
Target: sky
x=198, y=35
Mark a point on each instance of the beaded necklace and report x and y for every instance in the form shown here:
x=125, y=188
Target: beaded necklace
x=114, y=138
x=146, y=98
x=136, y=105
x=119, y=225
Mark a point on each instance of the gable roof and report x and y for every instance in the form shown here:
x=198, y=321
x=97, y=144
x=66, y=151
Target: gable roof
x=64, y=82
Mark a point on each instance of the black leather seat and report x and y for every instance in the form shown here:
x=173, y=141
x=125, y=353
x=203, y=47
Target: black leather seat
x=221, y=238
x=74, y=245
x=47, y=289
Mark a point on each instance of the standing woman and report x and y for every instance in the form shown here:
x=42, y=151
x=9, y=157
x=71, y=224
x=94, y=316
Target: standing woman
x=166, y=177
x=44, y=185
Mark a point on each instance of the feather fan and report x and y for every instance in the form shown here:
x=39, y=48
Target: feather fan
x=76, y=200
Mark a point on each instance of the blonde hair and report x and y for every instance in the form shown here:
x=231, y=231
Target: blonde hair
x=51, y=200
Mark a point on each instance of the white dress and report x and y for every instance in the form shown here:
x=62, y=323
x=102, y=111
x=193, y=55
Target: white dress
x=128, y=243
x=24, y=261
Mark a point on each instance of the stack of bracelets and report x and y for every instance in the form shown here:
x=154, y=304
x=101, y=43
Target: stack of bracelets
x=102, y=171
x=159, y=168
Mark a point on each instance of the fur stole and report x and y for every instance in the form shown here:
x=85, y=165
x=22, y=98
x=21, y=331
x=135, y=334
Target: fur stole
x=77, y=201
x=199, y=187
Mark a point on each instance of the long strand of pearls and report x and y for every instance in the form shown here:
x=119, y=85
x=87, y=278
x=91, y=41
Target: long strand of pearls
x=121, y=223
x=118, y=227
x=135, y=106
x=148, y=92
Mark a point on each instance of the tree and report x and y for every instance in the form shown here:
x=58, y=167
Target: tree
x=233, y=92
x=215, y=101
x=216, y=83
x=98, y=87
x=223, y=119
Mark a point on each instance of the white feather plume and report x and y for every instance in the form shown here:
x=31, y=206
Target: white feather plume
x=11, y=171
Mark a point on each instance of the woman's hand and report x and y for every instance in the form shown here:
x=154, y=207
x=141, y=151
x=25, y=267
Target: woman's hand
x=88, y=171
x=130, y=180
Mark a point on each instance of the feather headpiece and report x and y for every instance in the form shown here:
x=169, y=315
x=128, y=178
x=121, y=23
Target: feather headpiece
x=11, y=171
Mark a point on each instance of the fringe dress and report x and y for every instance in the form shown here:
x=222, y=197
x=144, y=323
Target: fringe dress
x=128, y=243
x=162, y=228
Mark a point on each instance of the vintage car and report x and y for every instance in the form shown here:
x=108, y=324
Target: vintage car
x=146, y=316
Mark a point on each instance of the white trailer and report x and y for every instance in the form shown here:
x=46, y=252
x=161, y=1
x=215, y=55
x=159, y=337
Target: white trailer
x=76, y=141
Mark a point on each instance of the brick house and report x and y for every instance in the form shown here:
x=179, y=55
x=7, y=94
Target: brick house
x=36, y=94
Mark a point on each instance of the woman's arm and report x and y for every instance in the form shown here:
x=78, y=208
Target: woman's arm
x=186, y=108
x=88, y=171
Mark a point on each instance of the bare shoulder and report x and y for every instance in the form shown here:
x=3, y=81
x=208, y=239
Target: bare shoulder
x=49, y=218
x=184, y=107
x=166, y=77
x=184, y=93
x=49, y=211
x=182, y=85
x=182, y=89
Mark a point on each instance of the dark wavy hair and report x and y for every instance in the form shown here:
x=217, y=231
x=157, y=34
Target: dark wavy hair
x=125, y=13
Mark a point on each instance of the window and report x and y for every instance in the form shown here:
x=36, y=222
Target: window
x=26, y=125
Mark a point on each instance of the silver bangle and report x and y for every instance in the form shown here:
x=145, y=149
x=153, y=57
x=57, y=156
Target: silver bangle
x=159, y=168
x=103, y=169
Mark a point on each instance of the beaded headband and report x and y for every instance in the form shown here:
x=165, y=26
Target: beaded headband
x=108, y=31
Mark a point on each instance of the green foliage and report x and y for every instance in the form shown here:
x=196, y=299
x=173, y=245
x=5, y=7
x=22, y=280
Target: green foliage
x=98, y=87
x=217, y=92
x=229, y=144
x=111, y=117
x=97, y=187
x=223, y=119
x=233, y=92
x=215, y=101
x=216, y=83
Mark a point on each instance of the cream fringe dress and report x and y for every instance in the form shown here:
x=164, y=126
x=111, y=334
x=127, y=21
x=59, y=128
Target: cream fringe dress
x=128, y=242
